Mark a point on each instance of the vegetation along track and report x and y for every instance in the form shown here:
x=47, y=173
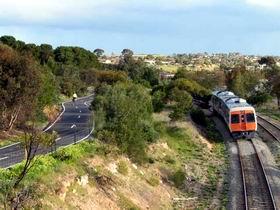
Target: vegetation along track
x=257, y=192
x=270, y=127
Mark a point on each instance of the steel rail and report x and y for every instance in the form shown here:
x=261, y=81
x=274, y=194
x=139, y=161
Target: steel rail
x=263, y=171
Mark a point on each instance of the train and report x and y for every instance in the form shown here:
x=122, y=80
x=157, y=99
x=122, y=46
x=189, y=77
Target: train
x=239, y=116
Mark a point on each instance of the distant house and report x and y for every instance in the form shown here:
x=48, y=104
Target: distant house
x=166, y=75
x=151, y=62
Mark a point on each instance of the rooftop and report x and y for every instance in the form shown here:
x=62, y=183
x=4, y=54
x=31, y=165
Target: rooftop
x=231, y=100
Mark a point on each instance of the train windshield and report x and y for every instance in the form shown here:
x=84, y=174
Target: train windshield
x=250, y=117
x=234, y=118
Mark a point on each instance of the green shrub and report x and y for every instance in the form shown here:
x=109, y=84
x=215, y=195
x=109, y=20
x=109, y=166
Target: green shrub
x=126, y=204
x=158, y=100
x=153, y=181
x=125, y=111
x=122, y=168
x=73, y=152
x=169, y=159
x=150, y=132
x=178, y=178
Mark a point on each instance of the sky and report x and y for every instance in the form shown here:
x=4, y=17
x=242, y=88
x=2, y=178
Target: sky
x=147, y=26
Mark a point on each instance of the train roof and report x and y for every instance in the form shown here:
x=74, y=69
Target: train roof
x=231, y=100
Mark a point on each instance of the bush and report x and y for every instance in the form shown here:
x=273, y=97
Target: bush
x=70, y=153
x=153, y=181
x=259, y=98
x=158, y=100
x=122, y=168
x=169, y=159
x=150, y=132
x=198, y=116
x=124, y=117
x=178, y=178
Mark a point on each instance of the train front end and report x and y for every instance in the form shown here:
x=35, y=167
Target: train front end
x=243, y=122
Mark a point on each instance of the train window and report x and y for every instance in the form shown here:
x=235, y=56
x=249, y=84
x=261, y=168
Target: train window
x=234, y=118
x=250, y=117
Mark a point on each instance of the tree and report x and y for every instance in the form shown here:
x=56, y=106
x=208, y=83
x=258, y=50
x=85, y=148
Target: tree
x=98, y=52
x=158, y=100
x=124, y=117
x=127, y=52
x=183, y=103
x=269, y=60
x=9, y=40
x=273, y=76
x=46, y=52
x=19, y=85
x=237, y=85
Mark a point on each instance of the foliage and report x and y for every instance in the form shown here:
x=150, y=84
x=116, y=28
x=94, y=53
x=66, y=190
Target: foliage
x=183, y=103
x=153, y=181
x=126, y=204
x=41, y=166
x=124, y=110
x=122, y=168
x=95, y=77
x=178, y=178
x=259, y=98
x=273, y=76
x=98, y=52
x=243, y=82
x=207, y=79
x=19, y=84
x=46, y=51
x=127, y=52
x=138, y=71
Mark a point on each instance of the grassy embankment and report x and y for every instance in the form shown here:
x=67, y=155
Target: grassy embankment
x=185, y=170
x=270, y=109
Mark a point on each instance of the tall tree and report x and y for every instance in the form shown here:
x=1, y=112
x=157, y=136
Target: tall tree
x=9, y=40
x=98, y=52
x=46, y=52
x=273, y=76
x=19, y=84
x=127, y=52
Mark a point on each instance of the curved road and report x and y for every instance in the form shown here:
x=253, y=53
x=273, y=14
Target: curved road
x=74, y=124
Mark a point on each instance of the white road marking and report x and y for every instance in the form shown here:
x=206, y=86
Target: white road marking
x=10, y=145
x=58, y=139
x=3, y=158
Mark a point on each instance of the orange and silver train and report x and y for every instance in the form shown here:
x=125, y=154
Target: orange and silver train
x=239, y=116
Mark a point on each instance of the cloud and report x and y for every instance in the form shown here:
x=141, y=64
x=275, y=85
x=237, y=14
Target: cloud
x=35, y=11
x=270, y=4
x=51, y=10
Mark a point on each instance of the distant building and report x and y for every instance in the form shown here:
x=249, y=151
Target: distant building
x=166, y=75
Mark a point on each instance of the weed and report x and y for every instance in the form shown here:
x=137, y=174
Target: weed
x=153, y=181
x=178, y=178
x=169, y=159
x=122, y=168
x=126, y=203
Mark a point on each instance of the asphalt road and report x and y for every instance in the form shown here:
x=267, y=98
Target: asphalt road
x=75, y=124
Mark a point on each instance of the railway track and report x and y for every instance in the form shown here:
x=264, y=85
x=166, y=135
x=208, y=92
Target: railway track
x=256, y=188
x=269, y=127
